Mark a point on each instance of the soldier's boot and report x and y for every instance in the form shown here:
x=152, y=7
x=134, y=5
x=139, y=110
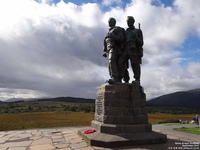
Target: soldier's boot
x=137, y=81
x=114, y=80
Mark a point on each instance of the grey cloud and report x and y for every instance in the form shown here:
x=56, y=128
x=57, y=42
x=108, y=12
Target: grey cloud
x=54, y=57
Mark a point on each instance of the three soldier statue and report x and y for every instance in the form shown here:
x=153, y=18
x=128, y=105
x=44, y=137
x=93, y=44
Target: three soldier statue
x=120, y=46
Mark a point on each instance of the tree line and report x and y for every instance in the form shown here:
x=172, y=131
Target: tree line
x=47, y=106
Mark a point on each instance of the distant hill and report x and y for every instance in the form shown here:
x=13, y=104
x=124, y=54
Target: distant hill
x=58, y=99
x=19, y=99
x=189, y=98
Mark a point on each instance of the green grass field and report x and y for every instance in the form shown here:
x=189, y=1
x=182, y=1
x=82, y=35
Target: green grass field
x=67, y=118
x=168, y=118
x=189, y=130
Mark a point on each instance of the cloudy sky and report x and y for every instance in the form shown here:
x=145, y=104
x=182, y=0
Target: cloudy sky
x=51, y=48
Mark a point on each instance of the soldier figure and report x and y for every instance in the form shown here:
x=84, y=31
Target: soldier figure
x=133, y=50
x=113, y=44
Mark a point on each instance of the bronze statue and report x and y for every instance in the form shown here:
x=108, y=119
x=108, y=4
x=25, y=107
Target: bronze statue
x=133, y=50
x=113, y=45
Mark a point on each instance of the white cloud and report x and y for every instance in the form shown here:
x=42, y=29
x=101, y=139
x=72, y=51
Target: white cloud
x=55, y=49
x=7, y=93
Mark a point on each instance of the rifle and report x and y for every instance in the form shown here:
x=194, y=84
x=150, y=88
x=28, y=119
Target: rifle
x=140, y=48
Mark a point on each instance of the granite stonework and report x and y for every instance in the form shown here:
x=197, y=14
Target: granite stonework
x=121, y=118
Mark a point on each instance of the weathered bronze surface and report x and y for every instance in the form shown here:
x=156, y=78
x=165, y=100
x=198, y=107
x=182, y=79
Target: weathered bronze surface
x=120, y=46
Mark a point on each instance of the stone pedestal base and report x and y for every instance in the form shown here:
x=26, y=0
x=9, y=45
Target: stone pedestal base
x=120, y=128
x=121, y=118
x=124, y=139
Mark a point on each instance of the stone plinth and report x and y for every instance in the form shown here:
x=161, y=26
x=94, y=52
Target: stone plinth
x=121, y=118
x=121, y=104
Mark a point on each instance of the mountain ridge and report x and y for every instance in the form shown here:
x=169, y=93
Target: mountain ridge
x=190, y=98
x=59, y=99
